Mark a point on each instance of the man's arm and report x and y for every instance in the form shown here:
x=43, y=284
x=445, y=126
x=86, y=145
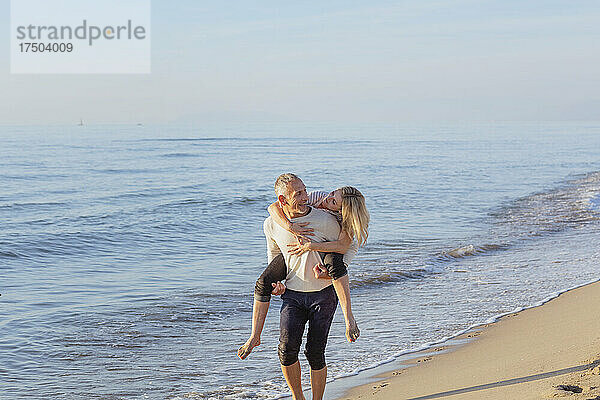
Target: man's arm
x=273, y=249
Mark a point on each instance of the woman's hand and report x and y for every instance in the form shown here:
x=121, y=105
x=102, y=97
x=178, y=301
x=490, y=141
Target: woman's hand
x=299, y=229
x=299, y=248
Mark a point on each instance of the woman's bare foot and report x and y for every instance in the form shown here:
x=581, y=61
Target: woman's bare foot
x=352, y=331
x=246, y=349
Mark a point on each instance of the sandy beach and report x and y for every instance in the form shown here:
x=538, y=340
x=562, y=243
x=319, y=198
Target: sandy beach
x=547, y=352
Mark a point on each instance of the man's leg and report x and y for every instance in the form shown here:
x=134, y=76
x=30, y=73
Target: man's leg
x=318, y=379
x=292, y=320
x=293, y=375
x=322, y=309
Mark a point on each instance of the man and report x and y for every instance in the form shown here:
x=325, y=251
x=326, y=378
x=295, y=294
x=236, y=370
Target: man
x=306, y=298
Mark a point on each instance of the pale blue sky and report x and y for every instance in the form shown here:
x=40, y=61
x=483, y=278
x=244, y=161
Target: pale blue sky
x=338, y=61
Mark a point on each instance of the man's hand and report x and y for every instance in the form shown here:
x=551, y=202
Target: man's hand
x=320, y=272
x=278, y=289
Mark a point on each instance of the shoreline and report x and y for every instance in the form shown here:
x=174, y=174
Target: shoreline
x=523, y=354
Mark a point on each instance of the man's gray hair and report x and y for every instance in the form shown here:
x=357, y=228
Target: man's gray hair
x=281, y=184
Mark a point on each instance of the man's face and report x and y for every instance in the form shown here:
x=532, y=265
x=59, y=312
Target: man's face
x=333, y=202
x=296, y=197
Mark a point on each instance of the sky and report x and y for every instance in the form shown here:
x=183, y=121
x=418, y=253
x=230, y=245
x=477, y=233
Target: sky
x=337, y=61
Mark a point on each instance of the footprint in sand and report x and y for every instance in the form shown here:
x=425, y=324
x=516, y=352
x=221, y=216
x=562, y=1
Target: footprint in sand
x=570, y=388
x=378, y=387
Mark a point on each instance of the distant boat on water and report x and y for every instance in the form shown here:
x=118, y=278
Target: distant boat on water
x=80, y=122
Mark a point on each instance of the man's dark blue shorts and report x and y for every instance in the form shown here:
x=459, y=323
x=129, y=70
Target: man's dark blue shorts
x=298, y=308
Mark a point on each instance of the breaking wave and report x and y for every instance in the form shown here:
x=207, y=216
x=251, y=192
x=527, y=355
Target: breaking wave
x=471, y=250
x=553, y=211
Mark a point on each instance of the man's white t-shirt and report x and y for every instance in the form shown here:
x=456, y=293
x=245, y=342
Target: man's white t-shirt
x=300, y=275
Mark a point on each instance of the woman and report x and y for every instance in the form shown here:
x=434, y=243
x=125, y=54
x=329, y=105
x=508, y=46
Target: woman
x=347, y=204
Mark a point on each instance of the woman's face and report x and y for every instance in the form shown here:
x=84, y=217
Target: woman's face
x=333, y=202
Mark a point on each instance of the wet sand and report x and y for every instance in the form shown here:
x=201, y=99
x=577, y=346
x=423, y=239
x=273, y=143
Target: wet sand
x=526, y=355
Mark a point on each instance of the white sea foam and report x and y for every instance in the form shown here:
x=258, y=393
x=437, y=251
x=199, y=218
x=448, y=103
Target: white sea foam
x=595, y=202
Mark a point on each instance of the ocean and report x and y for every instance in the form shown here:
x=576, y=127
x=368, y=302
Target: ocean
x=128, y=254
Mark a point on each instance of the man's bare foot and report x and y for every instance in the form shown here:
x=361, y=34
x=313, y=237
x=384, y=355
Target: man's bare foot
x=352, y=331
x=246, y=349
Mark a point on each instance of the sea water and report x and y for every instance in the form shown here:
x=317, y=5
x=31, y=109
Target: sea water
x=128, y=255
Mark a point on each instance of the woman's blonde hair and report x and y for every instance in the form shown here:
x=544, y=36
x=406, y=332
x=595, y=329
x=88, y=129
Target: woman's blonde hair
x=355, y=217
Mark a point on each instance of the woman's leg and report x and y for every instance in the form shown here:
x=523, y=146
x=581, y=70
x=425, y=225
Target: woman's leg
x=337, y=270
x=276, y=271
